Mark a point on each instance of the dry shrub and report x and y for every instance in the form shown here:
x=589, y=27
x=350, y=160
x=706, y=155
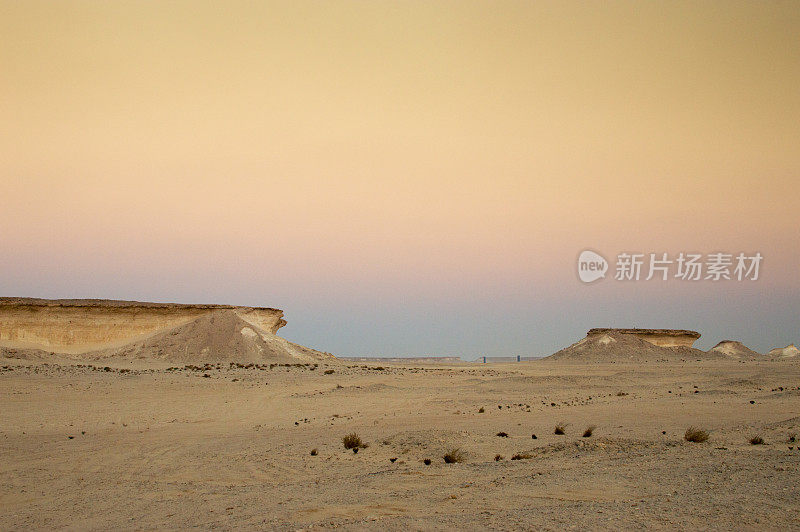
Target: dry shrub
x=352, y=441
x=328, y=371
x=560, y=429
x=454, y=456
x=427, y=461
x=589, y=431
x=313, y=452
x=756, y=440
x=696, y=435
x=481, y=410
x=522, y=456
x=502, y=434
x=792, y=437
x=498, y=457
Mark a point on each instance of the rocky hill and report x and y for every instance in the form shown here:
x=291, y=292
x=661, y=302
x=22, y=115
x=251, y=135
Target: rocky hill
x=735, y=350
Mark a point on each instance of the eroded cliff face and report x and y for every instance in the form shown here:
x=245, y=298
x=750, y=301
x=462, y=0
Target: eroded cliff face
x=657, y=337
x=82, y=326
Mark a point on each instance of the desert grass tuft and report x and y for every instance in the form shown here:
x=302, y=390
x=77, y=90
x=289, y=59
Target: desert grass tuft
x=560, y=429
x=589, y=431
x=696, y=435
x=481, y=410
x=756, y=440
x=498, y=457
x=502, y=434
x=792, y=437
x=427, y=461
x=454, y=456
x=353, y=441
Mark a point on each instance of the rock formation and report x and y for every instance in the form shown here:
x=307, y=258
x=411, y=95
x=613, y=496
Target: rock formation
x=658, y=337
x=790, y=351
x=735, y=350
x=634, y=346
x=172, y=332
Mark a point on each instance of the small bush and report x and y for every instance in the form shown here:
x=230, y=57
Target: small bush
x=393, y=460
x=427, y=461
x=589, y=431
x=498, y=457
x=454, y=456
x=502, y=434
x=696, y=435
x=792, y=437
x=352, y=441
x=481, y=410
x=756, y=440
x=313, y=452
x=522, y=456
x=328, y=371
x=560, y=429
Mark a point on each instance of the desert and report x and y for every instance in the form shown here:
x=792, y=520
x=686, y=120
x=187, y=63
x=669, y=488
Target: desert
x=399, y=265
x=127, y=438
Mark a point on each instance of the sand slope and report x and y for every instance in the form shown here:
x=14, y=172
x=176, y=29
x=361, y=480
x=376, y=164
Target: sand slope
x=221, y=336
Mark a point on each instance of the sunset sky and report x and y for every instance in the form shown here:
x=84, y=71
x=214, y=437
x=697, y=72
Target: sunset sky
x=405, y=178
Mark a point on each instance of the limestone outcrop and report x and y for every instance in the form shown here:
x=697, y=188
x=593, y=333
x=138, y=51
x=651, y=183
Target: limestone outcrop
x=735, y=350
x=790, y=351
x=658, y=337
x=168, y=331
x=633, y=346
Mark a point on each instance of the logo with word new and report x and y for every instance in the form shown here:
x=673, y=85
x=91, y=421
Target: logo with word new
x=591, y=266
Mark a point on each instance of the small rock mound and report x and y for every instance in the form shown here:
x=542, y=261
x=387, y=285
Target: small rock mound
x=790, y=351
x=617, y=347
x=8, y=353
x=735, y=350
x=220, y=336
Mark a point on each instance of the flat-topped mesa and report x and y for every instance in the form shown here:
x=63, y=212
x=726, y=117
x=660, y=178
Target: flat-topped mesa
x=657, y=337
x=75, y=326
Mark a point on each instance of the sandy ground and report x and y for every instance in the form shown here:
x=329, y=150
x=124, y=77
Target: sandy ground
x=84, y=448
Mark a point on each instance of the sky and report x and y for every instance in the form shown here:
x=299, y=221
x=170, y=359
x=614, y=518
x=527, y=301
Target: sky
x=406, y=178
